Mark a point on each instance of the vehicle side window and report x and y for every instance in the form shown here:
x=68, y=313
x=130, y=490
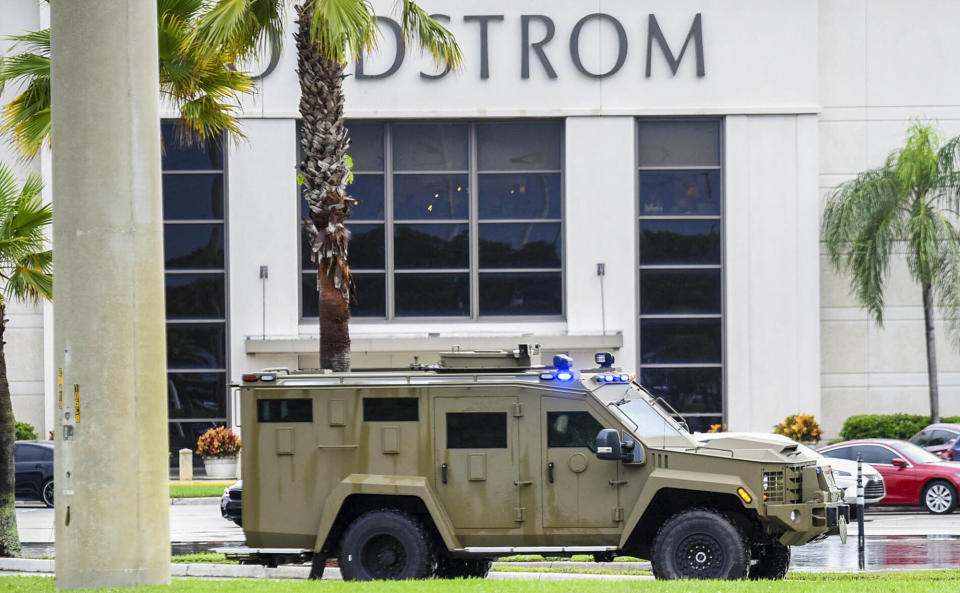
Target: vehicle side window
x=873, y=454
x=839, y=453
x=572, y=429
x=941, y=437
x=391, y=409
x=476, y=430
x=922, y=438
x=29, y=453
x=284, y=410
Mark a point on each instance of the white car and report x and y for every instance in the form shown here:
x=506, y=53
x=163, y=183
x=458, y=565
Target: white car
x=844, y=471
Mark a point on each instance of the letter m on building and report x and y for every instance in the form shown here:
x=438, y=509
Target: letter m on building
x=696, y=34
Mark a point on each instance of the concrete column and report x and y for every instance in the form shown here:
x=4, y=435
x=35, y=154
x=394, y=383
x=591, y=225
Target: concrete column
x=112, y=518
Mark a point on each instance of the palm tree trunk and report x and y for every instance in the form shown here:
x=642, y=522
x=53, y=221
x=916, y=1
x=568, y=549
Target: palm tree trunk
x=9, y=538
x=325, y=142
x=931, y=353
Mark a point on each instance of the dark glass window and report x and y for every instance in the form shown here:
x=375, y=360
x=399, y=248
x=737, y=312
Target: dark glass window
x=197, y=395
x=680, y=291
x=873, y=454
x=840, y=453
x=179, y=155
x=421, y=295
x=477, y=430
x=425, y=243
x=521, y=293
x=391, y=409
x=198, y=196
x=572, y=429
x=680, y=205
x=193, y=246
x=680, y=340
x=26, y=453
x=284, y=410
x=195, y=296
x=688, y=390
x=196, y=346
x=679, y=242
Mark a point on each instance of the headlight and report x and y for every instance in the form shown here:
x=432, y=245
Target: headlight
x=794, y=515
x=226, y=492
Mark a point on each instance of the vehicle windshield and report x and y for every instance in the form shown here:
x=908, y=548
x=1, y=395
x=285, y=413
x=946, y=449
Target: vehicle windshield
x=654, y=425
x=916, y=454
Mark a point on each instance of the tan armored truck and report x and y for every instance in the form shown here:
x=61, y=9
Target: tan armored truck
x=435, y=471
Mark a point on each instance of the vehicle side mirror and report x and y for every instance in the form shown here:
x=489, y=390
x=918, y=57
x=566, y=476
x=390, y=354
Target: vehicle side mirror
x=897, y=462
x=608, y=444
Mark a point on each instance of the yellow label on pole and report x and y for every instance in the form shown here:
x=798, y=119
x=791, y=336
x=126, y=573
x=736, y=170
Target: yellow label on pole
x=76, y=399
x=60, y=388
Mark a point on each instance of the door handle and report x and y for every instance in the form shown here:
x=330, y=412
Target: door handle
x=443, y=473
x=617, y=482
x=550, y=472
x=522, y=482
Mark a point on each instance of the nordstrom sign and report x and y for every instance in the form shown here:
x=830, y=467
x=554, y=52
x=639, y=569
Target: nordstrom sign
x=538, y=35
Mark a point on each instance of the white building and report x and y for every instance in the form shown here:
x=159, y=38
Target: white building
x=687, y=146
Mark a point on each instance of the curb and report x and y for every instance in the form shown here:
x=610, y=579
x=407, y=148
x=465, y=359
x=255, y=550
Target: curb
x=211, y=500
x=617, y=566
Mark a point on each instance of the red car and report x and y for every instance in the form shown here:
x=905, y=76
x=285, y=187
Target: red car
x=937, y=438
x=912, y=475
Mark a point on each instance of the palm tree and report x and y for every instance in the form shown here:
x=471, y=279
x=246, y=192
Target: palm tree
x=329, y=31
x=911, y=202
x=25, y=264
x=197, y=80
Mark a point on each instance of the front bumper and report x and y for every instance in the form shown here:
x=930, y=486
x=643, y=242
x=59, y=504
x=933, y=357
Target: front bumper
x=807, y=521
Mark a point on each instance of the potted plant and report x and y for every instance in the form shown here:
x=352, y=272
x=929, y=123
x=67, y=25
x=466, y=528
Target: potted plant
x=800, y=427
x=219, y=447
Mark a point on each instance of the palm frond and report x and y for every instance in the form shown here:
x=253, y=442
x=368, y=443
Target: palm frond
x=947, y=279
x=32, y=278
x=343, y=28
x=242, y=28
x=25, y=263
x=26, y=119
x=417, y=24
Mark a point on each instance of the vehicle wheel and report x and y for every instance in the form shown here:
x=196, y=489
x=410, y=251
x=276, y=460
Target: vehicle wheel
x=939, y=497
x=772, y=563
x=385, y=545
x=46, y=493
x=700, y=544
x=317, y=564
x=458, y=568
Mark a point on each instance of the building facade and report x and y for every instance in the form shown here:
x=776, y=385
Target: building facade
x=646, y=180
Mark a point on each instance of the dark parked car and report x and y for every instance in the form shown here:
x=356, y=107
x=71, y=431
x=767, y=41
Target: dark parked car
x=34, y=467
x=912, y=475
x=953, y=453
x=230, y=502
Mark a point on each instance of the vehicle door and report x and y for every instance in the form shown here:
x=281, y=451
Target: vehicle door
x=29, y=462
x=898, y=480
x=580, y=490
x=477, y=460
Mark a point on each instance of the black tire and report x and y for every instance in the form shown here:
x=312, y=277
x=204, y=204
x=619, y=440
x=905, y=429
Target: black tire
x=458, y=568
x=46, y=493
x=385, y=546
x=939, y=497
x=700, y=544
x=317, y=564
x=773, y=562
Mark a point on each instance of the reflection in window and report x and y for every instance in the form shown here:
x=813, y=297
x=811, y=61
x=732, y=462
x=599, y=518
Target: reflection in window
x=195, y=296
x=520, y=245
x=438, y=295
x=521, y=293
x=683, y=242
x=431, y=246
x=572, y=429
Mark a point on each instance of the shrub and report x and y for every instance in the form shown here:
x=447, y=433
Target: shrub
x=717, y=428
x=887, y=426
x=218, y=442
x=25, y=431
x=800, y=427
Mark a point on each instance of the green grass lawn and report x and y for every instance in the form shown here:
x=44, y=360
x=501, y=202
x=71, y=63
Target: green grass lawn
x=943, y=581
x=196, y=491
x=202, y=558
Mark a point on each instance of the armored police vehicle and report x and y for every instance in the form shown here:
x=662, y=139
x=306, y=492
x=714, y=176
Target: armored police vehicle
x=437, y=470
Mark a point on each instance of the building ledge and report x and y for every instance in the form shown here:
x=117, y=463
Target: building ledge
x=436, y=342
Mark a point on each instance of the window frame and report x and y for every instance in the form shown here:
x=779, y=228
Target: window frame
x=473, y=222
x=639, y=217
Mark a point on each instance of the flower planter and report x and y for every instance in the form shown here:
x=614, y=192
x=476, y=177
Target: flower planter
x=220, y=467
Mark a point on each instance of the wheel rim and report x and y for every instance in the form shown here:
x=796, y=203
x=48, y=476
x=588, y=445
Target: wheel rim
x=48, y=493
x=383, y=557
x=939, y=498
x=700, y=556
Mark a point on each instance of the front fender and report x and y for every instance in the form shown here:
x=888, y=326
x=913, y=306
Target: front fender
x=415, y=486
x=684, y=480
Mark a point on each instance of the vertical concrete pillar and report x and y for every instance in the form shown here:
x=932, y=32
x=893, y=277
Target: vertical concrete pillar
x=112, y=517
x=186, y=464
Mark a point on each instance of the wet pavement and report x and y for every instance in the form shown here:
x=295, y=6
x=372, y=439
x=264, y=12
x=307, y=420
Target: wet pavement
x=893, y=552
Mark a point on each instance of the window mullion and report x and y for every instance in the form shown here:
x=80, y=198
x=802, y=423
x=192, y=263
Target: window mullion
x=388, y=220
x=474, y=198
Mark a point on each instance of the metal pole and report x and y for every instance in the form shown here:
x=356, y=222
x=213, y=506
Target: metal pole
x=860, y=537
x=112, y=460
